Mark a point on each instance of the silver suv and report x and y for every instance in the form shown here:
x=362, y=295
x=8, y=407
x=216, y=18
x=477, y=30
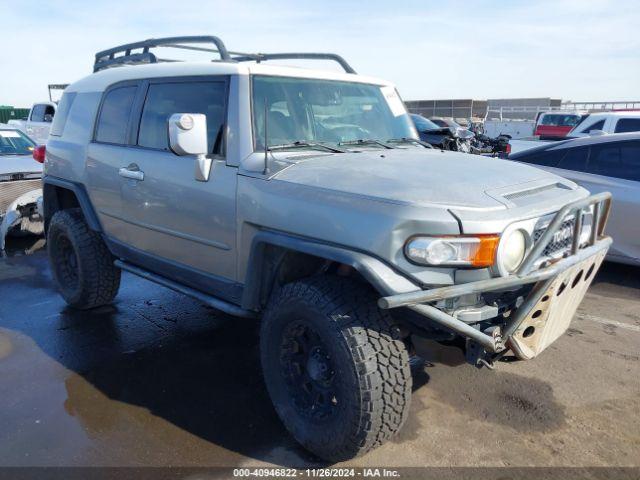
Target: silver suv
x=303, y=198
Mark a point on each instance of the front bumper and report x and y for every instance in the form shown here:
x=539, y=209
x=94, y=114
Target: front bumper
x=547, y=311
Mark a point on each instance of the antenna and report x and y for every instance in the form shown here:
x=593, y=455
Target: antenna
x=266, y=140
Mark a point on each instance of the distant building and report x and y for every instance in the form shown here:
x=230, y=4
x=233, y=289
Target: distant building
x=463, y=109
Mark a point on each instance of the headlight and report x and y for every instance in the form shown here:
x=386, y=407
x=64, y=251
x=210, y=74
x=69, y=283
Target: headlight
x=512, y=250
x=476, y=251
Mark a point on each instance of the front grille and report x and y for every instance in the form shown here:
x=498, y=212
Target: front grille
x=563, y=243
x=11, y=190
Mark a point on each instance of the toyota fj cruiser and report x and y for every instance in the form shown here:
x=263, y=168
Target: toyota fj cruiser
x=304, y=198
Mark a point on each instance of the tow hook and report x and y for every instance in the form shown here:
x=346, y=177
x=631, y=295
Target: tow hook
x=477, y=356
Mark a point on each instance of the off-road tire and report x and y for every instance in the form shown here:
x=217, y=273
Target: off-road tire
x=370, y=360
x=89, y=281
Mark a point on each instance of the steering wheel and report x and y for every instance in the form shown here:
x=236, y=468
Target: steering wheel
x=351, y=132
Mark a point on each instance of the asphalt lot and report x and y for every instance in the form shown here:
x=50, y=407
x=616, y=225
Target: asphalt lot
x=158, y=379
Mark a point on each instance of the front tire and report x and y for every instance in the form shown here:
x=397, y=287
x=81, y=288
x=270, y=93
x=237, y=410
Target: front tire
x=335, y=366
x=81, y=263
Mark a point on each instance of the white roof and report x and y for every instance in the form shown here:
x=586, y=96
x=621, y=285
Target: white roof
x=99, y=81
x=621, y=113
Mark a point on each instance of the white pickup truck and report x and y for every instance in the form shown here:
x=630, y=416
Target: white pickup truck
x=38, y=123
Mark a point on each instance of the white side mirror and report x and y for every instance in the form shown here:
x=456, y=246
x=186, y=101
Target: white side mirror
x=597, y=133
x=188, y=136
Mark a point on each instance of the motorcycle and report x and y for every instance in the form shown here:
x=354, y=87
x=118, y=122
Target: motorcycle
x=484, y=145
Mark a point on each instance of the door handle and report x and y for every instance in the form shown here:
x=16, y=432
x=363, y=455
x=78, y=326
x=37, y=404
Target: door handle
x=132, y=172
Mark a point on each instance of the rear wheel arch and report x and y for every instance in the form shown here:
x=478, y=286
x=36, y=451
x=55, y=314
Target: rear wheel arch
x=61, y=194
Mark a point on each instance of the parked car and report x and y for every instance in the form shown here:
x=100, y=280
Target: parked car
x=20, y=185
x=439, y=137
x=453, y=138
x=38, y=122
x=447, y=123
x=304, y=198
x=603, y=163
x=554, y=125
x=607, y=122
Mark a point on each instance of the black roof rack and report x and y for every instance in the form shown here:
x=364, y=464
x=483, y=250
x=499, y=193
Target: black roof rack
x=109, y=58
x=261, y=57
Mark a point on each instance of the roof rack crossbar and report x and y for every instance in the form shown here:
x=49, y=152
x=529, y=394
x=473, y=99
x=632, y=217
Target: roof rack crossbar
x=108, y=58
x=260, y=57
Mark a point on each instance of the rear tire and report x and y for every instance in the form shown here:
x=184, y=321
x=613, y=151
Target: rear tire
x=335, y=366
x=81, y=263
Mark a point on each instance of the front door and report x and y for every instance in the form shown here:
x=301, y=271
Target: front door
x=187, y=227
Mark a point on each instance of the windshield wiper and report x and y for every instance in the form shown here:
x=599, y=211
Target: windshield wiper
x=367, y=142
x=305, y=144
x=413, y=141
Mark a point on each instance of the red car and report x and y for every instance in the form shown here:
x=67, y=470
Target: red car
x=553, y=125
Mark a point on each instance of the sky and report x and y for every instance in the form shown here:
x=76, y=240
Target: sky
x=580, y=50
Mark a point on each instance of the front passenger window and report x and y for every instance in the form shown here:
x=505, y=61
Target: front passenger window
x=546, y=158
x=575, y=159
x=596, y=126
x=165, y=99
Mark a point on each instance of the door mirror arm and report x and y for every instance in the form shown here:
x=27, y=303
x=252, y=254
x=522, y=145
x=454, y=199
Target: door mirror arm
x=203, y=168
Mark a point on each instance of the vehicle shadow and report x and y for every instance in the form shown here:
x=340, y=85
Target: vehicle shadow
x=618, y=274
x=205, y=381
x=158, y=352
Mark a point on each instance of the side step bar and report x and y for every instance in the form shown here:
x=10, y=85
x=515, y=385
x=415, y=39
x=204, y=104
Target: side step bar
x=210, y=300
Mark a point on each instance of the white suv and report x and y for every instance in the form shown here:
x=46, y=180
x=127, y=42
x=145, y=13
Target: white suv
x=607, y=122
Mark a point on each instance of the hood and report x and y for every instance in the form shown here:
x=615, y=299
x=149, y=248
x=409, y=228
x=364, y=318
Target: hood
x=18, y=164
x=419, y=177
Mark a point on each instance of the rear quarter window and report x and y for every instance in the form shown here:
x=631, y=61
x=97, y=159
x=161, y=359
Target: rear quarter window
x=60, y=119
x=113, y=120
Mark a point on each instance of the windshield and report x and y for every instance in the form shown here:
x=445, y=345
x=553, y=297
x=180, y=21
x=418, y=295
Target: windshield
x=326, y=111
x=424, y=124
x=14, y=142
